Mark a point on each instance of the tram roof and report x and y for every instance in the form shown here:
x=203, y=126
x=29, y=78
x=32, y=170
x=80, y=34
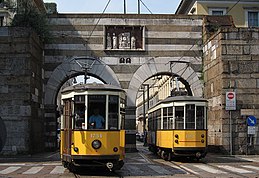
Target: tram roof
x=182, y=98
x=92, y=86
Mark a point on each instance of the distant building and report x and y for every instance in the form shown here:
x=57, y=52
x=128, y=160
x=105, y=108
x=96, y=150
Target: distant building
x=245, y=13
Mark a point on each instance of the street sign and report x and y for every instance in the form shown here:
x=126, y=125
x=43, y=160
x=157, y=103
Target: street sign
x=251, y=121
x=230, y=101
x=251, y=130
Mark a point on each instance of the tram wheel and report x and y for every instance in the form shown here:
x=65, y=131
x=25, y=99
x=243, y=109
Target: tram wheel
x=71, y=167
x=118, y=166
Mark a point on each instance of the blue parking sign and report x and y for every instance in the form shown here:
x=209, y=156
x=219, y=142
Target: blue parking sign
x=251, y=121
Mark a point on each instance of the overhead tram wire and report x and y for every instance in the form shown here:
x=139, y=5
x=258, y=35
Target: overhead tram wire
x=146, y=6
x=98, y=20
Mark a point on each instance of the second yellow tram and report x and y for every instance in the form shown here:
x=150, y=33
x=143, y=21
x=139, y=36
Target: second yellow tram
x=177, y=126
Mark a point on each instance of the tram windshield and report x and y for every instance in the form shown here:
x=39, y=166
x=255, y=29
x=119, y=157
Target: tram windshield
x=98, y=111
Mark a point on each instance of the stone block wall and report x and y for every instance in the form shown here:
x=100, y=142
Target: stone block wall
x=21, y=108
x=231, y=63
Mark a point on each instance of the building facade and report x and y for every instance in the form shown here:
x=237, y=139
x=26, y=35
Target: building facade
x=245, y=13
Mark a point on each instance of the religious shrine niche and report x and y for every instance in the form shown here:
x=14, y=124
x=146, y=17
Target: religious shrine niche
x=124, y=38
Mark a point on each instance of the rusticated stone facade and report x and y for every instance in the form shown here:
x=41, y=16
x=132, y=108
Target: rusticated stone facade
x=231, y=63
x=21, y=91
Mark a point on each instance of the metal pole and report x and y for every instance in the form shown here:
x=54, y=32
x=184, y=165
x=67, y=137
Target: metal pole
x=85, y=75
x=230, y=133
x=147, y=96
x=138, y=6
x=144, y=111
x=124, y=6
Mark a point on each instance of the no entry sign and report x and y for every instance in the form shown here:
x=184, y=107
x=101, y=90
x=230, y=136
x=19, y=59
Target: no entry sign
x=230, y=95
x=230, y=101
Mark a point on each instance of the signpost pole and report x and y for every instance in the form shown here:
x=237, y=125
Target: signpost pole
x=230, y=134
x=230, y=106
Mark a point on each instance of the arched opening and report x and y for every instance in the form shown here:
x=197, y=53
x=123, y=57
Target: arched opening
x=154, y=89
x=66, y=74
x=76, y=80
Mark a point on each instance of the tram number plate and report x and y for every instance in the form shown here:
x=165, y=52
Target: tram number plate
x=96, y=135
x=189, y=136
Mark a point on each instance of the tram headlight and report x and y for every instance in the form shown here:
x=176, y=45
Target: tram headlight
x=202, y=141
x=176, y=141
x=76, y=149
x=96, y=144
x=115, y=149
x=202, y=135
x=176, y=136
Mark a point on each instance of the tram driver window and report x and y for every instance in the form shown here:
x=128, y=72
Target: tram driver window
x=190, y=116
x=179, y=117
x=96, y=111
x=200, y=117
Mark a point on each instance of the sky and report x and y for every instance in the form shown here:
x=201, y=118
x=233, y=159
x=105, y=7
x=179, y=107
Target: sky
x=116, y=6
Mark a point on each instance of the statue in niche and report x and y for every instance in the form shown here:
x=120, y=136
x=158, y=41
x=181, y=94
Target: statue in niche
x=133, y=42
x=124, y=41
x=109, y=41
x=114, y=41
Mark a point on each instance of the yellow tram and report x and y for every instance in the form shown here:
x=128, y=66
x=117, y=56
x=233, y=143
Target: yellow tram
x=83, y=142
x=177, y=126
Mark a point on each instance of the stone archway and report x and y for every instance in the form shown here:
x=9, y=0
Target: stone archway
x=145, y=71
x=156, y=66
x=62, y=73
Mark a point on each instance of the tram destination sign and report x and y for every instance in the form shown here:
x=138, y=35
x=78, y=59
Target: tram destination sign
x=230, y=101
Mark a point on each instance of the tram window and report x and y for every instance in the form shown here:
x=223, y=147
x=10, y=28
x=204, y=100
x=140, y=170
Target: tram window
x=165, y=118
x=158, y=118
x=113, y=112
x=122, y=113
x=96, y=102
x=190, y=116
x=79, y=110
x=200, y=117
x=179, y=116
x=67, y=114
x=170, y=118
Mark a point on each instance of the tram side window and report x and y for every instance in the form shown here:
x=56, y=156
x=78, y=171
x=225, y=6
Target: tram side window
x=96, y=111
x=179, y=117
x=113, y=112
x=200, y=117
x=158, y=117
x=165, y=118
x=190, y=116
x=67, y=112
x=79, y=110
x=122, y=113
x=170, y=118
x=151, y=121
